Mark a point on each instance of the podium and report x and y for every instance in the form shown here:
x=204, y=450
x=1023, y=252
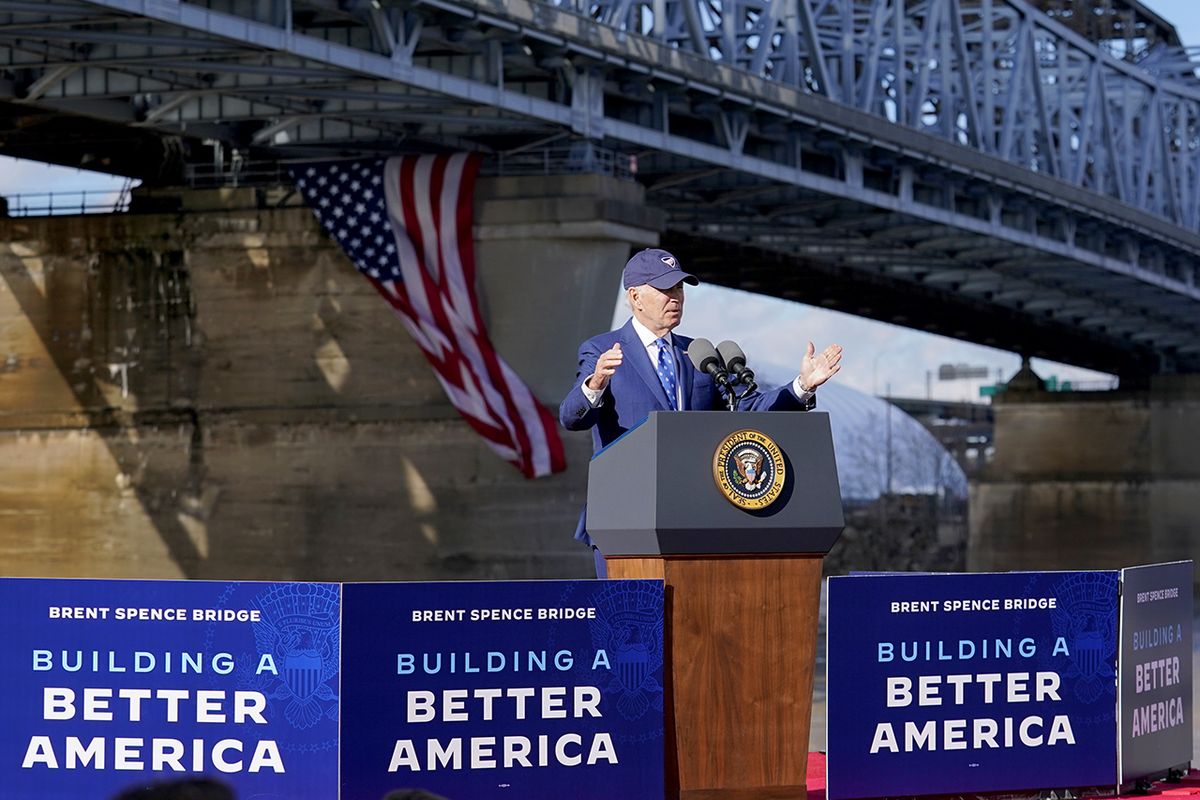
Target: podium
x=742, y=579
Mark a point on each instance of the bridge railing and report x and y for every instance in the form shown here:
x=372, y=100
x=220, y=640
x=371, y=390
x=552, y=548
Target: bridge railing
x=563, y=159
x=83, y=201
x=1053, y=384
x=235, y=174
x=556, y=159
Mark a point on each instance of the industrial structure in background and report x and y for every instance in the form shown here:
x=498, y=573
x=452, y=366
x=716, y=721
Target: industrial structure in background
x=1017, y=174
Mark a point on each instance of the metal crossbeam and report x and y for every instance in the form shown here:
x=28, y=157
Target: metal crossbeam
x=822, y=127
x=995, y=75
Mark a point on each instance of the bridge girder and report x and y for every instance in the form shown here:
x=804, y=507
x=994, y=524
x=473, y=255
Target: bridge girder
x=988, y=126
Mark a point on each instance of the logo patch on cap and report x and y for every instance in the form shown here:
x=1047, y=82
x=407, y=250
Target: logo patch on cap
x=669, y=261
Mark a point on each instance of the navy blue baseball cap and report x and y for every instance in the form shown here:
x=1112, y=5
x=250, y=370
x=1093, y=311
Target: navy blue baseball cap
x=656, y=267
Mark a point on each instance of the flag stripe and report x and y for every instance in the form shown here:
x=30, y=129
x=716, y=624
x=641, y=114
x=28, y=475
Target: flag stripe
x=406, y=224
x=452, y=226
x=496, y=389
x=416, y=175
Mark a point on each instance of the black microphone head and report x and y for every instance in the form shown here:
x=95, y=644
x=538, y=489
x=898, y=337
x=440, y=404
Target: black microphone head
x=732, y=355
x=704, y=356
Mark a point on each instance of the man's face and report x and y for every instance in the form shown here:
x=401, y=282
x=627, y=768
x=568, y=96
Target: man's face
x=660, y=310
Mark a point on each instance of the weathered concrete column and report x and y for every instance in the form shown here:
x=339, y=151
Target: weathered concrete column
x=214, y=392
x=1090, y=479
x=1175, y=466
x=549, y=251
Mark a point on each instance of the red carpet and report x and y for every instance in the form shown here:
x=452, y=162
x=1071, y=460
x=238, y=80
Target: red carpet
x=1190, y=785
x=816, y=776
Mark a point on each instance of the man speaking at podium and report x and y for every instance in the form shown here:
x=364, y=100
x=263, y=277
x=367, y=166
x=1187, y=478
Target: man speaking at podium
x=642, y=367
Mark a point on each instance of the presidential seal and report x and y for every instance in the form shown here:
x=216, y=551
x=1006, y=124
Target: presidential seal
x=748, y=468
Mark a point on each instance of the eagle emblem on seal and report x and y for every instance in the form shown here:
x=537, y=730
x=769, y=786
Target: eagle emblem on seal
x=748, y=463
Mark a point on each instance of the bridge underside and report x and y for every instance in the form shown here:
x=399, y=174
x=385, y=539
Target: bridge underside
x=887, y=298
x=882, y=264
x=71, y=140
x=928, y=213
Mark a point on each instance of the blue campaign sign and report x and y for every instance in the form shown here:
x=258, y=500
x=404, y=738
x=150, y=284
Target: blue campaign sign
x=115, y=685
x=1156, y=669
x=941, y=684
x=504, y=689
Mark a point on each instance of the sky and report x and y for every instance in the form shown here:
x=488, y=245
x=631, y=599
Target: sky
x=18, y=176
x=1183, y=14
x=878, y=357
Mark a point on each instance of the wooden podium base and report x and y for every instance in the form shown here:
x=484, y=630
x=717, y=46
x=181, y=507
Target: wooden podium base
x=761, y=793
x=740, y=646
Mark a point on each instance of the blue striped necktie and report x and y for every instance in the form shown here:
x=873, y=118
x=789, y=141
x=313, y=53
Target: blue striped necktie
x=666, y=372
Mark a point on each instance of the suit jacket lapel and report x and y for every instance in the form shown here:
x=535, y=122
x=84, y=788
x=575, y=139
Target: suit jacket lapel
x=687, y=373
x=638, y=358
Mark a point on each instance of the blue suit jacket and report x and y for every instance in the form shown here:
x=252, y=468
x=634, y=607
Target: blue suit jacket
x=634, y=391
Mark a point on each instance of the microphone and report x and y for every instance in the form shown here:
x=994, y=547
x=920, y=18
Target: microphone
x=704, y=358
x=735, y=362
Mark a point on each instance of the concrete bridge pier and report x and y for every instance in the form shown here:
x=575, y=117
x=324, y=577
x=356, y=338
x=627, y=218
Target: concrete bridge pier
x=1090, y=479
x=550, y=252
x=210, y=390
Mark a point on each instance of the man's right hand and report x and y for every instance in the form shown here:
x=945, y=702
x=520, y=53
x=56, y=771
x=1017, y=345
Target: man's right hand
x=606, y=365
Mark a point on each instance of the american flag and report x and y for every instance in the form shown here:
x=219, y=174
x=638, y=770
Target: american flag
x=405, y=222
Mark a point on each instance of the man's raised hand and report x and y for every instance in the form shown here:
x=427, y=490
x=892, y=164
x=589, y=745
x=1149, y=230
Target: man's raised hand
x=816, y=368
x=606, y=365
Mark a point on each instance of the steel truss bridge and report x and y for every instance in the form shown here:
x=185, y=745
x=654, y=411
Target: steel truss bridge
x=972, y=167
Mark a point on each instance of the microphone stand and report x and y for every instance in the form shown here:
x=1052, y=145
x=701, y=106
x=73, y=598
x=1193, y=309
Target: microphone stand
x=735, y=365
x=722, y=379
x=731, y=396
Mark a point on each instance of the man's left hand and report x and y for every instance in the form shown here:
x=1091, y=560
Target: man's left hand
x=816, y=368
